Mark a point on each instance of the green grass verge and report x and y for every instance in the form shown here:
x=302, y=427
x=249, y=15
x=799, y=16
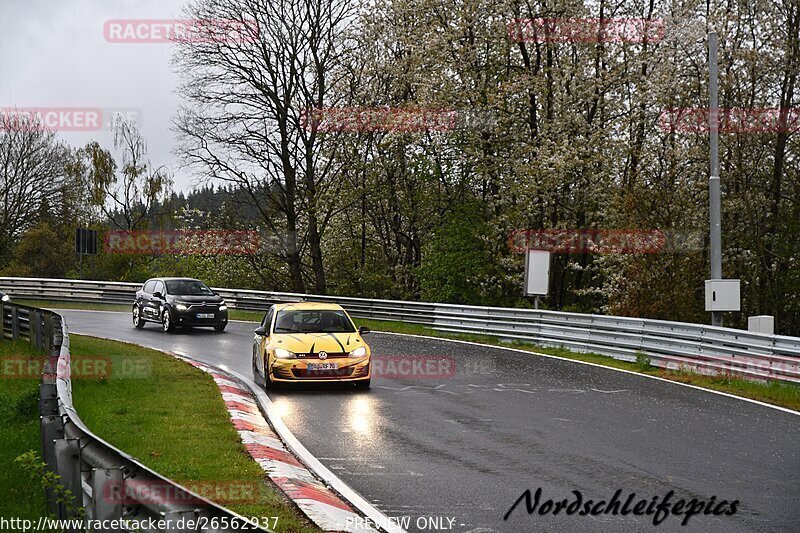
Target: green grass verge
x=171, y=417
x=19, y=433
x=778, y=393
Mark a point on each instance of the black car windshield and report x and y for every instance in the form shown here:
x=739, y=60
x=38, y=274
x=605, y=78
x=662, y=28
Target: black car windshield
x=313, y=321
x=188, y=287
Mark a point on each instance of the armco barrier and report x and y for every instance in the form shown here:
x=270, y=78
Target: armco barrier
x=91, y=468
x=674, y=345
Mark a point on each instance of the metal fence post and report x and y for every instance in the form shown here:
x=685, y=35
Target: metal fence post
x=68, y=466
x=35, y=329
x=2, y=321
x=106, y=483
x=48, y=399
x=48, y=332
x=52, y=429
x=14, y=323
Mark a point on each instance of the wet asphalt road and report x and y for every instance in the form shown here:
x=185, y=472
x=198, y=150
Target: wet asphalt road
x=465, y=446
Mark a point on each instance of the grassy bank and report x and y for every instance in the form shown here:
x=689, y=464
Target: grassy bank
x=161, y=410
x=19, y=433
x=171, y=417
x=778, y=393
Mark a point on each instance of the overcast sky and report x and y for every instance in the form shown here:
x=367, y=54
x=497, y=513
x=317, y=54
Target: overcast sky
x=54, y=54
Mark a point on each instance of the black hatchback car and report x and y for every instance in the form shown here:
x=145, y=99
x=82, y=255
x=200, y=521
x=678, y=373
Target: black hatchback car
x=179, y=302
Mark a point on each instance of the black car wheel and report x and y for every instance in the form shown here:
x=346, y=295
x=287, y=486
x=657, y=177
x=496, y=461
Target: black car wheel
x=363, y=384
x=137, y=318
x=166, y=321
x=220, y=327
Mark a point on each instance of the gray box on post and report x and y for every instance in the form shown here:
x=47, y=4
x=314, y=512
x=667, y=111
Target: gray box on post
x=722, y=295
x=761, y=324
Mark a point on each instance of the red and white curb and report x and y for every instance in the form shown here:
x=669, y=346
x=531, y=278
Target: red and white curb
x=324, y=507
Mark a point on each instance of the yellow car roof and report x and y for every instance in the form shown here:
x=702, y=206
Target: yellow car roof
x=308, y=305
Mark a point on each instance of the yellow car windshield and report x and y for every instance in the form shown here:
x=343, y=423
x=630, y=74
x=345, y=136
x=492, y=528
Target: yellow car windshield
x=313, y=321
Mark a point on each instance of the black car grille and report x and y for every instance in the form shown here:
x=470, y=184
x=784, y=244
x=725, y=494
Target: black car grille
x=331, y=355
x=200, y=308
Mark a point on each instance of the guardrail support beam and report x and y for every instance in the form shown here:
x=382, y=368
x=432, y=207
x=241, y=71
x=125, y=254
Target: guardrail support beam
x=52, y=429
x=68, y=466
x=106, y=485
x=49, y=332
x=48, y=399
x=14, y=323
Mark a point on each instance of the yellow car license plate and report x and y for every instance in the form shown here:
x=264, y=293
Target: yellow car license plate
x=323, y=366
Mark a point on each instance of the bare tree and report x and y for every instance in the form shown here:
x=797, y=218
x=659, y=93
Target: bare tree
x=126, y=193
x=243, y=123
x=31, y=174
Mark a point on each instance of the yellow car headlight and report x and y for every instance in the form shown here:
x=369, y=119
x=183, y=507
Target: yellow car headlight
x=280, y=353
x=359, y=352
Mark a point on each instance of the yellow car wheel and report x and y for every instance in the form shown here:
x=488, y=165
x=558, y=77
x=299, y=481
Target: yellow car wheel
x=257, y=377
x=268, y=383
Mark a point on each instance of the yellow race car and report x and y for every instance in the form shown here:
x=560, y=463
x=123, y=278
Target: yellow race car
x=310, y=342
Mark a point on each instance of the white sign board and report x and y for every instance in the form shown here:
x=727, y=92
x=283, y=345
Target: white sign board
x=537, y=272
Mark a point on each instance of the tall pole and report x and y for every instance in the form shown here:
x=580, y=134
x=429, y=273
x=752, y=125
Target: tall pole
x=713, y=180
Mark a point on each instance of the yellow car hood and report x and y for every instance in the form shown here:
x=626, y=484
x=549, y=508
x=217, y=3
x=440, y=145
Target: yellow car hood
x=316, y=342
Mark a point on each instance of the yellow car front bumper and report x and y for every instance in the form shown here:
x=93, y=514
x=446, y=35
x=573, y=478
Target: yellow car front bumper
x=295, y=370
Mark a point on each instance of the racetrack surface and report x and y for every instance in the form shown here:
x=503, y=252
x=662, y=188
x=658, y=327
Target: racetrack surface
x=466, y=446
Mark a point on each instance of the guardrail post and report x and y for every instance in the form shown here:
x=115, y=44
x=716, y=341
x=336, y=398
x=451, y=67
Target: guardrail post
x=32, y=326
x=52, y=429
x=14, y=323
x=68, y=466
x=35, y=329
x=48, y=332
x=105, y=484
x=2, y=321
x=48, y=399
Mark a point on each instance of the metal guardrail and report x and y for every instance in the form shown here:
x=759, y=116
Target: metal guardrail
x=673, y=345
x=106, y=483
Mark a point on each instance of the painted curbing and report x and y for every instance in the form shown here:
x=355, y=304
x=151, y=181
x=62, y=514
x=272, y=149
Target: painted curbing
x=331, y=504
